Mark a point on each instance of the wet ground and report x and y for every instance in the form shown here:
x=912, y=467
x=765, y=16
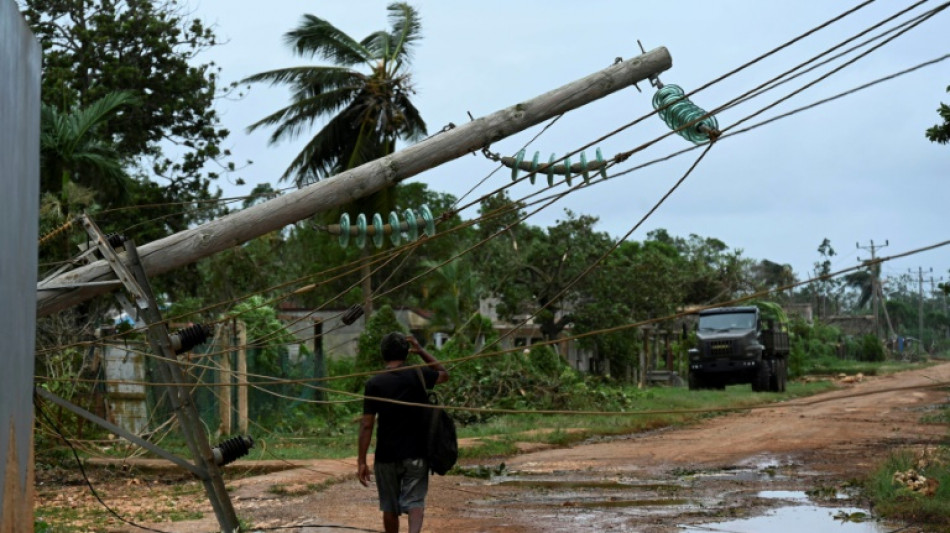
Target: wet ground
x=790, y=467
x=770, y=495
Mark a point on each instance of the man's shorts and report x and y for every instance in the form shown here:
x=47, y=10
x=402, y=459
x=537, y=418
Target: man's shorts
x=402, y=485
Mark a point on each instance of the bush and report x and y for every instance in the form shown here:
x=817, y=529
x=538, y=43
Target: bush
x=545, y=361
x=871, y=349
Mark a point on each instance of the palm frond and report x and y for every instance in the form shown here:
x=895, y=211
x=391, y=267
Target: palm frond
x=326, y=153
x=407, y=28
x=413, y=127
x=97, y=112
x=291, y=120
x=315, y=36
x=379, y=44
x=306, y=76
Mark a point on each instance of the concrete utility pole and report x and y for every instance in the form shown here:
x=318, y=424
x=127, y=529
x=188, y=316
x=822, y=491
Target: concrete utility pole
x=920, y=306
x=875, y=282
x=218, y=235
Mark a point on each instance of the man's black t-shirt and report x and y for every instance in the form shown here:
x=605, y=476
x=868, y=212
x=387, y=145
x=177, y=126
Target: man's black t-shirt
x=401, y=431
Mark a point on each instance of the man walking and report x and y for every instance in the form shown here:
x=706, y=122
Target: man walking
x=400, y=466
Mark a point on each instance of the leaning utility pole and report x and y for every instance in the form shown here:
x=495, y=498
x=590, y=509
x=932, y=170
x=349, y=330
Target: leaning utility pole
x=218, y=235
x=875, y=282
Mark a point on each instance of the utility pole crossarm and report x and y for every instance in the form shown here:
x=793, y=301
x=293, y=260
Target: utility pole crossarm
x=218, y=235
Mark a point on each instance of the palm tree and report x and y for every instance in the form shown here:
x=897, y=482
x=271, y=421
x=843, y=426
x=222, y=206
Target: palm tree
x=366, y=112
x=72, y=152
x=452, y=292
x=863, y=282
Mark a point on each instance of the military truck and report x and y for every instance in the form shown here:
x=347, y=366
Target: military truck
x=732, y=347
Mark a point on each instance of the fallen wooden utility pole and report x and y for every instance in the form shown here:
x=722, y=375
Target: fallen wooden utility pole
x=218, y=235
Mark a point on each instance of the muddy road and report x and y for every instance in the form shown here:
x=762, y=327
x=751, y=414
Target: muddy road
x=797, y=456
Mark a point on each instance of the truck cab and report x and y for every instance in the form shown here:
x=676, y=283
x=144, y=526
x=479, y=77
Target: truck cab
x=732, y=347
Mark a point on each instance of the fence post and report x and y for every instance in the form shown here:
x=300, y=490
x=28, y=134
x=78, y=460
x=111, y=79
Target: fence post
x=242, y=377
x=224, y=379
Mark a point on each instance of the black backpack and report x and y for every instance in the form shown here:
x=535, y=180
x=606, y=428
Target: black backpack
x=442, y=444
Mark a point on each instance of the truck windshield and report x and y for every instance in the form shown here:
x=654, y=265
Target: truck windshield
x=727, y=321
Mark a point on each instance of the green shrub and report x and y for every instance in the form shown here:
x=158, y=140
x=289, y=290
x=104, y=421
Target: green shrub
x=871, y=349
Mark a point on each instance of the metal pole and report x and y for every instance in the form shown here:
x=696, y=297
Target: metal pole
x=218, y=235
x=180, y=395
x=120, y=431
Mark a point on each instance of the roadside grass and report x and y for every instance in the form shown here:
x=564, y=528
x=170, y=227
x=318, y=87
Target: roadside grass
x=657, y=408
x=831, y=366
x=895, y=501
x=63, y=519
x=676, y=406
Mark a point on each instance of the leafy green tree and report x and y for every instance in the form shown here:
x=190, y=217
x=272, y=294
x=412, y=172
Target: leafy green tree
x=826, y=286
x=639, y=281
x=94, y=47
x=505, y=242
x=716, y=273
x=555, y=271
x=769, y=275
x=164, y=144
x=940, y=133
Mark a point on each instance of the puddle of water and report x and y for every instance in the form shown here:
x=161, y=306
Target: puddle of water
x=545, y=484
x=740, y=474
x=783, y=495
x=627, y=503
x=794, y=519
x=591, y=484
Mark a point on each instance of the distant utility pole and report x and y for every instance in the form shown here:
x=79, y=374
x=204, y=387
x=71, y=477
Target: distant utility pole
x=934, y=286
x=188, y=246
x=875, y=282
x=920, y=306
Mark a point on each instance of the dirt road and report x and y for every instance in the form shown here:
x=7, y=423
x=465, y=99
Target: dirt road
x=662, y=481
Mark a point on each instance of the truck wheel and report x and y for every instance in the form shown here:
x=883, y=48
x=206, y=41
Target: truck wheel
x=762, y=380
x=783, y=375
x=775, y=377
x=695, y=381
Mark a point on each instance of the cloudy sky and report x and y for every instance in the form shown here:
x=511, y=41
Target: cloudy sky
x=854, y=170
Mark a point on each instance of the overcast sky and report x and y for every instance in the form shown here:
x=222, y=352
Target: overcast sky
x=855, y=170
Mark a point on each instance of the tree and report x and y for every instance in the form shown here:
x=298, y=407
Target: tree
x=636, y=282
x=940, y=133
x=366, y=112
x=826, y=284
x=769, y=275
x=549, y=280
x=453, y=292
x=148, y=48
x=73, y=152
x=716, y=273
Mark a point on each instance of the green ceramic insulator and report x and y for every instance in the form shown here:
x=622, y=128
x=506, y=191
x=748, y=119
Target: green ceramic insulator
x=430, y=222
x=344, y=237
x=361, y=230
x=412, y=227
x=394, y=225
x=379, y=234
